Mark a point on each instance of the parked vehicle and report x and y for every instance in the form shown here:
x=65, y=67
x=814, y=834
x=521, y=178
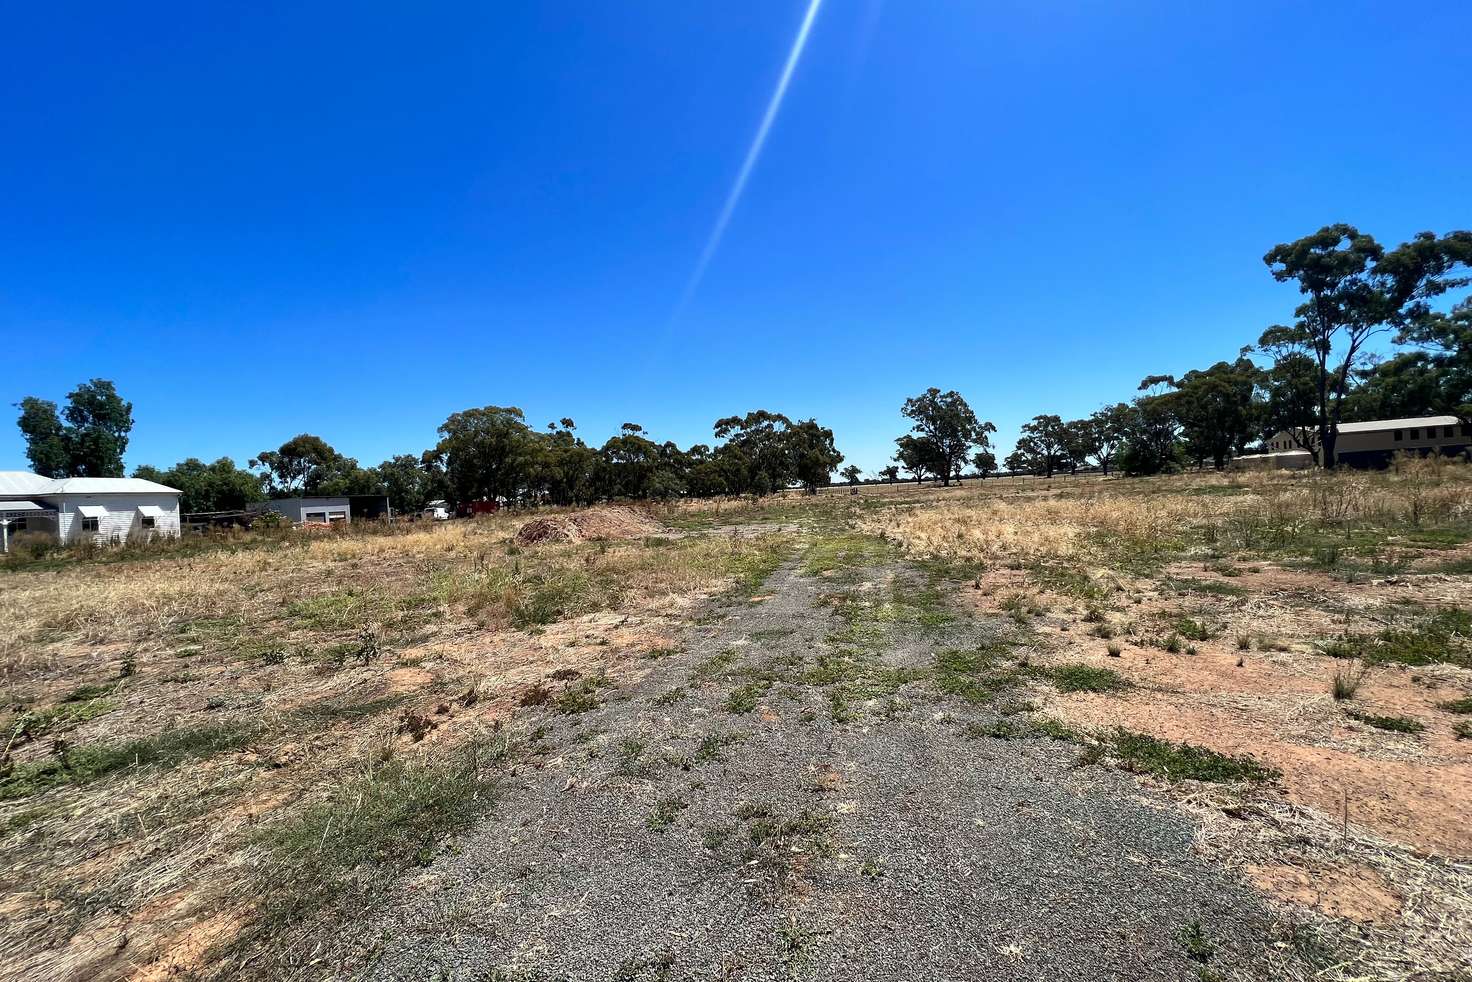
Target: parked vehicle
x=437, y=511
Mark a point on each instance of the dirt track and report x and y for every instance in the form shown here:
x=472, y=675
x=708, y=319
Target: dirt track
x=728, y=816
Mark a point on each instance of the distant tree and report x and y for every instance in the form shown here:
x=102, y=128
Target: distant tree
x=1443, y=369
x=89, y=437
x=917, y=456
x=1289, y=387
x=561, y=468
x=890, y=473
x=946, y=430
x=1110, y=426
x=814, y=454
x=1408, y=384
x=1080, y=442
x=408, y=484
x=1214, y=407
x=851, y=473
x=485, y=453
x=220, y=486
x=1152, y=438
x=766, y=451
x=1042, y=448
x=985, y=462
x=631, y=465
x=1353, y=291
x=296, y=467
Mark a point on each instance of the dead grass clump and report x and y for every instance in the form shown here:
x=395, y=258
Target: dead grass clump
x=1348, y=677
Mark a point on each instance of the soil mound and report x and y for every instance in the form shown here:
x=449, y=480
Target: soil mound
x=611, y=522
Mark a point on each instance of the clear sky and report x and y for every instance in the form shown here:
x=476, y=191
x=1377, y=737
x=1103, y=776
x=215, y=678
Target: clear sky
x=355, y=219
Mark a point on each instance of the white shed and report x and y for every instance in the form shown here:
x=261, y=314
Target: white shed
x=104, y=509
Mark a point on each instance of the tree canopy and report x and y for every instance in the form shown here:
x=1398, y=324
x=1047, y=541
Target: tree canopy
x=87, y=439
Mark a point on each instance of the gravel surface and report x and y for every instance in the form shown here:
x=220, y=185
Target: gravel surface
x=728, y=816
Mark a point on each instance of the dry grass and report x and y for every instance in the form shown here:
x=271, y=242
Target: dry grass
x=1106, y=522
x=198, y=710
x=229, y=688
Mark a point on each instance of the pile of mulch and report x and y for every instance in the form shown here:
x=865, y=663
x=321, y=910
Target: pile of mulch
x=609, y=522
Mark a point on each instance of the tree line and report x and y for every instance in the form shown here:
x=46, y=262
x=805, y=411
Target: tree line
x=483, y=454
x=1305, y=377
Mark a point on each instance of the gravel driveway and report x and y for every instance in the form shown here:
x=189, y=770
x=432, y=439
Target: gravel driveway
x=791, y=795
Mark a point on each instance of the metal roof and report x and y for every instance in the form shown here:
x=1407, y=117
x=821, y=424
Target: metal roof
x=109, y=485
x=24, y=482
x=9, y=506
x=1397, y=424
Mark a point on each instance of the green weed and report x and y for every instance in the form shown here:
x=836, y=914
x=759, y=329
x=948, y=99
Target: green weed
x=1173, y=762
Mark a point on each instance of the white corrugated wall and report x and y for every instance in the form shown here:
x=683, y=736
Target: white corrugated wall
x=121, y=520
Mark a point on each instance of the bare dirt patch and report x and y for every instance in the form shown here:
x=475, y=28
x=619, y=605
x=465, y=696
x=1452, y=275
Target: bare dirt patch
x=1351, y=890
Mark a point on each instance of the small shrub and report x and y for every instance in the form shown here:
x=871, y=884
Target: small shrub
x=1463, y=706
x=1463, y=730
x=1194, y=630
x=1114, y=650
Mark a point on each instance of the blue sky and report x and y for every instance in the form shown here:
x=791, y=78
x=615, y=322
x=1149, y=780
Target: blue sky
x=354, y=220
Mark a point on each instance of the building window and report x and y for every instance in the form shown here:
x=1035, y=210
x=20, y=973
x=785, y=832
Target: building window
x=89, y=524
x=316, y=516
x=18, y=524
x=1448, y=431
x=1400, y=434
x=337, y=516
x=148, y=521
x=1415, y=434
